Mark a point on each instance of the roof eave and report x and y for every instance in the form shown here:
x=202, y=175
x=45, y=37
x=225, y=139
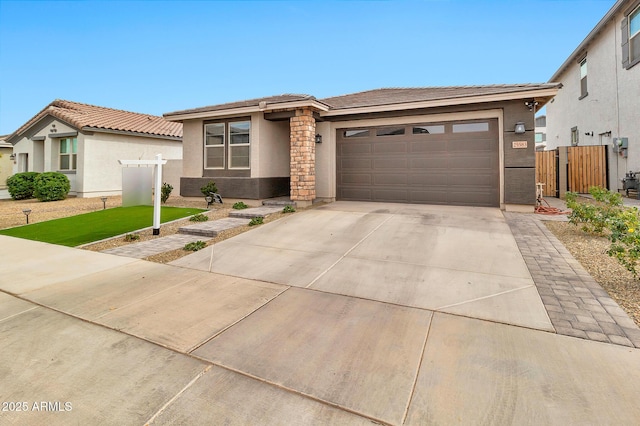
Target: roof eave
x=126, y=132
x=583, y=45
x=541, y=95
x=15, y=137
x=312, y=103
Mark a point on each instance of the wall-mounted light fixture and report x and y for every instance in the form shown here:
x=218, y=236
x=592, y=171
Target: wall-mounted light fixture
x=531, y=105
x=318, y=138
x=519, y=129
x=26, y=213
x=588, y=133
x=12, y=157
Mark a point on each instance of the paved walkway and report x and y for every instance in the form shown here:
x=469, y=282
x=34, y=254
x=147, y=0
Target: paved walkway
x=575, y=302
x=156, y=246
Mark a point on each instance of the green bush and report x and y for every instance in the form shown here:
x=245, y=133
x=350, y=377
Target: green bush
x=240, y=205
x=195, y=246
x=165, y=192
x=208, y=188
x=51, y=186
x=132, y=237
x=199, y=218
x=607, y=216
x=256, y=221
x=21, y=185
x=289, y=209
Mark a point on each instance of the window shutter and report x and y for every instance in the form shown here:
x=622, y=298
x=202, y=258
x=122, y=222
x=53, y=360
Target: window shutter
x=624, y=27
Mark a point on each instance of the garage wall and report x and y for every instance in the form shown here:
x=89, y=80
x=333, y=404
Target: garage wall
x=519, y=163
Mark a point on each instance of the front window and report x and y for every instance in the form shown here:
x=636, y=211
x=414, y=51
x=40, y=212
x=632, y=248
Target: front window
x=227, y=145
x=583, y=78
x=68, y=153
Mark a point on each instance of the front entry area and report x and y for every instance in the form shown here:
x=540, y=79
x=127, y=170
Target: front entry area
x=453, y=163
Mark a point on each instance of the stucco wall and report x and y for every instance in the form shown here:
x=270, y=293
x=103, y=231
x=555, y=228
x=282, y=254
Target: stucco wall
x=612, y=103
x=270, y=156
x=6, y=165
x=102, y=174
x=192, y=148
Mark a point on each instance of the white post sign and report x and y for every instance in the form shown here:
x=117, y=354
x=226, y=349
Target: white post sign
x=158, y=162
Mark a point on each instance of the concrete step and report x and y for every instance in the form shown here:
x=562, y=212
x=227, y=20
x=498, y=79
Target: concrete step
x=250, y=213
x=279, y=202
x=213, y=227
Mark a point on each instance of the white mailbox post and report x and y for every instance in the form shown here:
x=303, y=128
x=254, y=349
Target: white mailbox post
x=158, y=162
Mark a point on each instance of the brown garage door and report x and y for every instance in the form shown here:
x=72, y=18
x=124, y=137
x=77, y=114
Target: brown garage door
x=453, y=163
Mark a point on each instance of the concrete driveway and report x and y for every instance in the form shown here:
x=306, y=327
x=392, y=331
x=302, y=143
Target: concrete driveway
x=458, y=260
x=345, y=314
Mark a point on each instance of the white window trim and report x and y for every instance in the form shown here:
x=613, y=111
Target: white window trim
x=231, y=146
x=206, y=147
x=69, y=154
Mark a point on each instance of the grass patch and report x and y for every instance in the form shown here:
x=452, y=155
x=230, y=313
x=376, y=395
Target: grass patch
x=89, y=227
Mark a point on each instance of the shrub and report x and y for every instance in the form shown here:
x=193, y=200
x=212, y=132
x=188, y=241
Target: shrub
x=165, y=192
x=594, y=216
x=289, y=209
x=199, y=218
x=21, y=185
x=131, y=237
x=256, y=221
x=240, y=205
x=195, y=246
x=208, y=188
x=51, y=186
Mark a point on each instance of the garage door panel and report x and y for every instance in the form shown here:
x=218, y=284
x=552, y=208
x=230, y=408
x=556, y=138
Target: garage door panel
x=391, y=179
x=355, y=148
x=355, y=179
x=391, y=163
x=439, y=168
x=390, y=148
x=355, y=164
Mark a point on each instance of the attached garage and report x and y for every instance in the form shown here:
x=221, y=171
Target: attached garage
x=455, y=163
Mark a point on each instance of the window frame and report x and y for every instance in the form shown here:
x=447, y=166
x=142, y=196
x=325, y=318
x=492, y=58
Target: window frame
x=72, y=155
x=584, y=89
x=226, y=146
x=633, y=37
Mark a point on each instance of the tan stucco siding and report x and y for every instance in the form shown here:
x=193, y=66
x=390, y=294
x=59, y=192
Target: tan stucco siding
x=192, y=148
x=269, y=147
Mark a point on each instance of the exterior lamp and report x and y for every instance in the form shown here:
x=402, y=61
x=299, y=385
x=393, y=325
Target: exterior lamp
x=519, y=129
x=26, y=213
x=104, y=202
x=12, y=157
x=318, y=138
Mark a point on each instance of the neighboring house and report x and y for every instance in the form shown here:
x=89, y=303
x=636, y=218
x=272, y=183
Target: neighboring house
x=6, y=162
x=85, y=143
x=438, y=145
x=541, y=132
x=600, y=97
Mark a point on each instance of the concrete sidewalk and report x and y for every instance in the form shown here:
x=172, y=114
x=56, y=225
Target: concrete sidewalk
x=124, y=341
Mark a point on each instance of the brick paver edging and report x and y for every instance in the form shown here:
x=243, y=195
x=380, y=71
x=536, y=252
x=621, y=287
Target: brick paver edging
x=577, y=305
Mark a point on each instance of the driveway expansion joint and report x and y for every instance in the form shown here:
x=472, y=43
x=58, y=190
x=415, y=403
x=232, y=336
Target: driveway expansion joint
x=576, y=304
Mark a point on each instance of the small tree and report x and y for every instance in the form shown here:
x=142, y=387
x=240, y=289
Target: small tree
x=208, y=188
x=165, y=192
x=51, y=186
x=21, y=185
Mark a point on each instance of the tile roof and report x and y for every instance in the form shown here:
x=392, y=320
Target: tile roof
x=288, y=97
x=95, y=117
x=388, y=96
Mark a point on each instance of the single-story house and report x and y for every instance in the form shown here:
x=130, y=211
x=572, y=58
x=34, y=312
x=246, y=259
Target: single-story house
x=599, y=102
x=6, y=161
x=469, y=145
x=85, y=143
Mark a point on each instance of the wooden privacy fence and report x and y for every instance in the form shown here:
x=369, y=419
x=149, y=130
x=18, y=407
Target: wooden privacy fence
x=587, y=167
x=547, y=172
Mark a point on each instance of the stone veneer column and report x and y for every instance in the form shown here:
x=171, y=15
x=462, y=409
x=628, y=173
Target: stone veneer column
x=303, y=156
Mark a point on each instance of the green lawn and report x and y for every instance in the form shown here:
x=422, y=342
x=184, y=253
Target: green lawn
x=89, y=227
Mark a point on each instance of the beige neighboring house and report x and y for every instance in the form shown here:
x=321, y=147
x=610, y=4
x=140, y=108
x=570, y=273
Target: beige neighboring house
x=468, y=145
x=599, y=102
x=85, y=143
x=6, y=162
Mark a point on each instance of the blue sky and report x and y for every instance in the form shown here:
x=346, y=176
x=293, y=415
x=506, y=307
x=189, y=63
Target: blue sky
x=160, y=56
